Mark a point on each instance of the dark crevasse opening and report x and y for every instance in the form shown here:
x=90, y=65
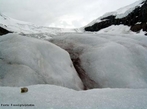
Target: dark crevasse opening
x=87, y=81
x=75, y=57
x=77, y=62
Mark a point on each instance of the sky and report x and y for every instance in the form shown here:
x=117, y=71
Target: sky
x=60, y=13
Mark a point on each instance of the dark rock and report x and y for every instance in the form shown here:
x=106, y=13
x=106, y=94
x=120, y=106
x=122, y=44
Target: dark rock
x=136, y=28
x=144, y=27
x=98, y=26
x=109, y=17
x=24, y=90
x=4, y=31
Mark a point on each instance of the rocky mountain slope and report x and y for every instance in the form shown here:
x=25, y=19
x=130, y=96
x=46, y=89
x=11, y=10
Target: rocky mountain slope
x=134, y=16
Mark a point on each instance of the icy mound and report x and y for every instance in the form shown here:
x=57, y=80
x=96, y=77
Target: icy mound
x=116, y=61
x=26, y=61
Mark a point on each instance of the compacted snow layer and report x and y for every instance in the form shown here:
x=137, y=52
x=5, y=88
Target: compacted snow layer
x=27, y=61
x=115, y=61
x=56, y=97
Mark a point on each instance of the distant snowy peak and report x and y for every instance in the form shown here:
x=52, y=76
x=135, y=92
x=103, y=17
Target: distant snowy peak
x=134, y=16
x=8, y=24
x=123, y=12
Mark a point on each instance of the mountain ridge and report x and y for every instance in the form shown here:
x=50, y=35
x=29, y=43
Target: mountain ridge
x=135, y=17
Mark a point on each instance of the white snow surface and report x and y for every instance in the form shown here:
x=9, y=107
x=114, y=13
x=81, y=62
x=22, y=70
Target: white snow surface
x=53, y=97
x=119, y=29
x=27, y=61
x=115, y=61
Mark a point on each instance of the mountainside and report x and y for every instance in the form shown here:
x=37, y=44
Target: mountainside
x=133, y=16
x=10, y=25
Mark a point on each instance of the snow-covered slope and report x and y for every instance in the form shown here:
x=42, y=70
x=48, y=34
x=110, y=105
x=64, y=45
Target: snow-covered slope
x=133, y=16
x=21, y=27
x=119, y=29
x=120, y=13
x=28, y=61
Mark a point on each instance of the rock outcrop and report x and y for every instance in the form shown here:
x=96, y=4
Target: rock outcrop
x=4, y=31
x=136, y=20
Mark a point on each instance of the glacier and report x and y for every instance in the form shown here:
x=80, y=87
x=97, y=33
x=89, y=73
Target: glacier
x=72, y=68
x=116, y=62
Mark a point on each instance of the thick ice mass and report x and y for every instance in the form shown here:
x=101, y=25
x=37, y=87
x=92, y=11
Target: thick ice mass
x=26, y=61
x=116, y=61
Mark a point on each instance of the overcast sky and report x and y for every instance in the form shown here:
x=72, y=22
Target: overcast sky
x=60, y=13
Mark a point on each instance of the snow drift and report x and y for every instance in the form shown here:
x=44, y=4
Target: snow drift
x=27, y=61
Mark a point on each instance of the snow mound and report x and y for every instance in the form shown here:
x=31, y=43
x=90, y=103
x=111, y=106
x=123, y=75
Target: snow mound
x=28, y=61
x=53, y=97
x=115, y=61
